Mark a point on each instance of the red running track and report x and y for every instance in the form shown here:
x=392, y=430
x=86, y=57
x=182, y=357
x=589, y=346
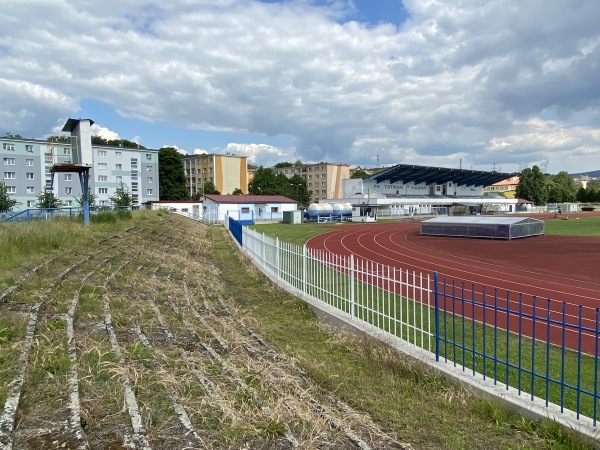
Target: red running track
x=559, y=268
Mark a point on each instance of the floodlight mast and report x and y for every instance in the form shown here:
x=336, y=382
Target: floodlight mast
x=76, y=157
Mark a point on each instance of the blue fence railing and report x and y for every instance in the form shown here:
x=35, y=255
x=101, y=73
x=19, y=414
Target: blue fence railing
x=544, y=349
x=51, y=213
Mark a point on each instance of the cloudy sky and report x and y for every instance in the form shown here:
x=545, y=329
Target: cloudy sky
x=501, y=84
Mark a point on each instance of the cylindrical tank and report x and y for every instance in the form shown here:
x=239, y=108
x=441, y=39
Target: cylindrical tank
x=320, y=209
x=342, y=209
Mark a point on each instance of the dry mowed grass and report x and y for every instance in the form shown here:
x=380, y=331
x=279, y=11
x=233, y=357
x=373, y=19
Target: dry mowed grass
x=129, y=343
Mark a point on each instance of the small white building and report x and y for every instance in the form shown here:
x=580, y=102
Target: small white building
x=191, y=207
x=217, y=208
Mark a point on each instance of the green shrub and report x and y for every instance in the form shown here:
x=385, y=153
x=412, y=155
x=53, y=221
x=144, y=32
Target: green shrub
x=124, y=214
x=103, y=217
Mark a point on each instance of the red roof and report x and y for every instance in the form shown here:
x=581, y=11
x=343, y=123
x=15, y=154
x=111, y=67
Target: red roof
x=249, y=198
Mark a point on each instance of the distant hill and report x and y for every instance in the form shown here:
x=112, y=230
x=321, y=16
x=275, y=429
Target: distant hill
x=591, y=174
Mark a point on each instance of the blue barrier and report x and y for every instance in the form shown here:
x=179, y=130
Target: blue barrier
x=557, y=357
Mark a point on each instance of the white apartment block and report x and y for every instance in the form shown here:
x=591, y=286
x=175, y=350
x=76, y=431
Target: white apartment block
x=27, y=164
x=323, y=179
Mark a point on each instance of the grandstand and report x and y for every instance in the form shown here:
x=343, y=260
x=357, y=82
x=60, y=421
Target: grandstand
x=420, y=190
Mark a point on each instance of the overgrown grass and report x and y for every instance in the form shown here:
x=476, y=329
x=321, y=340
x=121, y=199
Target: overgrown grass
x=32, y=241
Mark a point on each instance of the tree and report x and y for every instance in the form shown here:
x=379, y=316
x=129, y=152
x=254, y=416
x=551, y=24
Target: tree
x=237, y=191
x=263, y=182
x=299, y=191
x=171, y=175
x=532, y=186
x=283, y=164
x=12, y=136
x=209, y=188
x=47, y=199
x=91, y=199
x=122, y=197
x=6, y=203
x=561, y=188
x=99, y=140
x=359, y=173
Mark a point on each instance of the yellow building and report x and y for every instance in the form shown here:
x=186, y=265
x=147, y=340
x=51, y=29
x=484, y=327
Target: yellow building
x=507, y=188
x=323, y=179
x=226, y=172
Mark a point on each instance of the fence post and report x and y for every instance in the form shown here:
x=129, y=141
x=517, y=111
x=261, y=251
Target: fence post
x=304, y=275
x=351, y=281
x=277, y=258
x=436, y=310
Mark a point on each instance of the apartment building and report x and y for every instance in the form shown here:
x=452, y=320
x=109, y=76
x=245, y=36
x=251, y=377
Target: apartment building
x=227, y=173
x=507, y=188
x=323, y=179
x=27, y=164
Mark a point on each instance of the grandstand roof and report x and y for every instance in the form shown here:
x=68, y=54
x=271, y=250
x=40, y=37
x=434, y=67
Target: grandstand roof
x=439, y=175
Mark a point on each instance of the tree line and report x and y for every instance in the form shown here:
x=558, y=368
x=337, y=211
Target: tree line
x=542, y=189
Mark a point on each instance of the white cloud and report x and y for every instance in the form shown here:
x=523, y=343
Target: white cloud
x=104, y=132
x=259, y=154
x=457, y=83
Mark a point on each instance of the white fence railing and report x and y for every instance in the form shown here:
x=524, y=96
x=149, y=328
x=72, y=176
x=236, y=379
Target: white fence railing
x=397, y=301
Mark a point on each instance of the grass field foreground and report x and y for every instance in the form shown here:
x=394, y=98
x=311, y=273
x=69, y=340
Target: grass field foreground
x=158, y=272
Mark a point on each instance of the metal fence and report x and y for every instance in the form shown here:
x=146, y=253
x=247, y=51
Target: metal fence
x=31, y=214
x=544, y=349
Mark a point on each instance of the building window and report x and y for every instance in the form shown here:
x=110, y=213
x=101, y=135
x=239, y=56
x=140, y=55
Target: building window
x=102, y=153
x=66, y=151
x=323, y=192
x=69, y=202
x=102, y=166
x=9, y=175
x=29, y=148
x=119, y=178
x=29, y=162
x=148, y=168
x=323, y=183
x=149, y=180
x=30, y=203
x=148, y=156
x=68, y=177
x=11, y=189
x=68, y=190
x=9, y=161
x=118, y=154
x=149, y=192
x=245, y=210
x=8, y=147
x=119, y=166
x=274, y=209
x=309, y=184
x=29, y=175
x=102, y=178
x=48, y=157
x=30, y=189
x=102, y=190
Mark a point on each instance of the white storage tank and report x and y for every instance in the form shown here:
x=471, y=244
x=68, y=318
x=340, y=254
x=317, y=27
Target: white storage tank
x=320, y=209
x=342, y=209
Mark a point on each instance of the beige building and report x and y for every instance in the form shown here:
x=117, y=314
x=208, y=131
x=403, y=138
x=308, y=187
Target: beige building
x=323, y=179
x=226, y=172
x=507, y=188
